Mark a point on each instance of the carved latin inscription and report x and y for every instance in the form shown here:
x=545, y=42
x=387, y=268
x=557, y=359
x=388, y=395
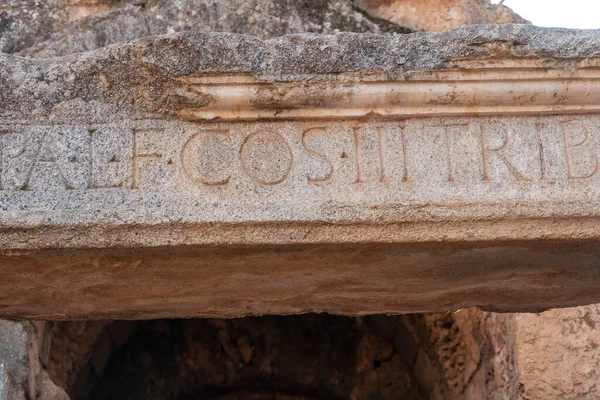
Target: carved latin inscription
x=430, y=160
x=266, y=157
x=320, y=130
x=571, y=146
x=487, y=150
x=212, y=169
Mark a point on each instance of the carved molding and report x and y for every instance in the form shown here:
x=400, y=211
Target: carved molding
x=496, y=90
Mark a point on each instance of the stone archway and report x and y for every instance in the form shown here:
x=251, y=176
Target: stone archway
x=312, y=356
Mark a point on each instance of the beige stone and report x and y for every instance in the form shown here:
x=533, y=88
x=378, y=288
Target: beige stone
x=558, y=353
x=439, y=15
x=79, y=9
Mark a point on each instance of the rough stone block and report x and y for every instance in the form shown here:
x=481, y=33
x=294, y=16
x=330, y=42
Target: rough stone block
x=8, y=389
x=14, y=360
x=221, y=175
x=14, y=353
x=557, y=352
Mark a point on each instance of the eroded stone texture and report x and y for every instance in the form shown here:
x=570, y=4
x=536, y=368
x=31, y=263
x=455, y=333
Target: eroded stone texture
x=22, y=358
x=462, y=355
x=324, y=161
x=58, y=27
x=439, y=15
x=449, y=356
x=71, y=349
x=15, y=340
x=44, y=29
x=8, y=389
x=558, y=353
x=474, y=353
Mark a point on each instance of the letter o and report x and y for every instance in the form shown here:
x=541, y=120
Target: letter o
x=267, y=157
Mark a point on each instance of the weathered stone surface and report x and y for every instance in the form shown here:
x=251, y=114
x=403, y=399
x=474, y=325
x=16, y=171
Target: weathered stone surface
x=460, y=355
x=8, y=389
x=14, y=359
x=332, y=171
x=58, y=27
x=558, y=353
x=48, y=390
x=439, y=15
x=72, y=347
x=22, y=345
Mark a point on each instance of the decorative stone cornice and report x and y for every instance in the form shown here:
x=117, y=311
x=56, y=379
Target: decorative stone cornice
x=509, y=87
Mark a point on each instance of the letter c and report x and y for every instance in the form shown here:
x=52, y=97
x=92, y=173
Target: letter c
x=200, y=139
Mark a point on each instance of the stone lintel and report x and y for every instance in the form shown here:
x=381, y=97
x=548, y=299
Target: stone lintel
x=221, y=175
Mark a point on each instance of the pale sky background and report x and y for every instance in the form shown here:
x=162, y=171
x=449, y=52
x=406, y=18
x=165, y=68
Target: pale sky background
x=582, y=14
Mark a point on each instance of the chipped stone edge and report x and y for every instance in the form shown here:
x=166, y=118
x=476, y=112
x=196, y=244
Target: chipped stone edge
x=21, y=241
x=150, y=77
